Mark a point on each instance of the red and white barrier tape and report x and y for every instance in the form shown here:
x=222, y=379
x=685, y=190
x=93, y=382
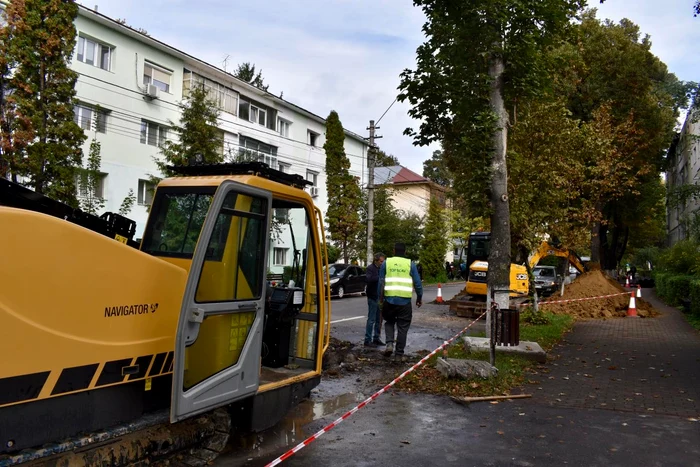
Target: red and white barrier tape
x=329, y=427
x=578, y=299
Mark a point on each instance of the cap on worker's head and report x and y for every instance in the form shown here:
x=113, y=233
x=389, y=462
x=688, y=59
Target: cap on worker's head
x=399, y=249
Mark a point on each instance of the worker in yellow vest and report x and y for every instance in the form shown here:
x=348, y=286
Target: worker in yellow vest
x=398, y=276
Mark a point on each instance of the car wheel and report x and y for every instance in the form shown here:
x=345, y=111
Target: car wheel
x=341, y=292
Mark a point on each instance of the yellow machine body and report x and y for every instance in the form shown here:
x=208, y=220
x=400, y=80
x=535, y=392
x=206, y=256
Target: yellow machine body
x=478, y=270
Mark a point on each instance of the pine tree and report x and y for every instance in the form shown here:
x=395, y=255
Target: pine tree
x=199, y=139
x=344, y=194
x=246, y=72
x=434, y=245
x=127, y=203
x=37, y=44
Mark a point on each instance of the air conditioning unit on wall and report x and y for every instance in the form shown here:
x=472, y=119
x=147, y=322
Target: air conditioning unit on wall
x=314, y=191
x=152, y=91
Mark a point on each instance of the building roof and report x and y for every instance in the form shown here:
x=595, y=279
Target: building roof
x=400, y=175
x=162, y=46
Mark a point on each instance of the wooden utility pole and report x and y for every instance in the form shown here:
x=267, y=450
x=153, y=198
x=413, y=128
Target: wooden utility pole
x=371, y=160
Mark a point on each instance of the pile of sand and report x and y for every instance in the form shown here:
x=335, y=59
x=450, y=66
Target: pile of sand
x=594, y=284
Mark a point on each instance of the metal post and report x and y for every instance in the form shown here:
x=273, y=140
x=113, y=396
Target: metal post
x=371, y=161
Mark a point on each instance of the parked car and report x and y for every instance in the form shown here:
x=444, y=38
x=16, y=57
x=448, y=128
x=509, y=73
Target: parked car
x=546, y=280
x=346, y=279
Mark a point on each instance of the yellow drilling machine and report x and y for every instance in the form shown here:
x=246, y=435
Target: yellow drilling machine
x=116, y=351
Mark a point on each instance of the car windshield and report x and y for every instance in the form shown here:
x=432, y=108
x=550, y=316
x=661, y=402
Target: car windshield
x=335, y=270
x=545, y=272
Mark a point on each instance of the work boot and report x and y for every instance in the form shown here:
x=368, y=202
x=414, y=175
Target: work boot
x=378, y=341
x=370, y=344
x=389, y=349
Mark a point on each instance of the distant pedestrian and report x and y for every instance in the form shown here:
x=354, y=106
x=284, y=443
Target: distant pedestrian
x=396, y=276
x=373, y=328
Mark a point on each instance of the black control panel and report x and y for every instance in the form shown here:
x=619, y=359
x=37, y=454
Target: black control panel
x=283, y=305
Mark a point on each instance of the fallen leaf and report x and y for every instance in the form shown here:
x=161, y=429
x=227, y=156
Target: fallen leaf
x=650, y=409
x=500, y=432
x=587, y=375
x=494, y=402
x=624, y=424
x=613, y=367
x=405, y=442
x=542, y=436
x=521, y=413
x=474, y=385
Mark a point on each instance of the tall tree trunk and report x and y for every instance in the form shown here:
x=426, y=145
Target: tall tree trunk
x=596, y=253
x=499, y=255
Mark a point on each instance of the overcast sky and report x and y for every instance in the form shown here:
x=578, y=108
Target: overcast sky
x=347, y=55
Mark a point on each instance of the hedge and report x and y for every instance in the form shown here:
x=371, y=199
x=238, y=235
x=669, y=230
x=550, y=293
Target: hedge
x=695, y=296
x=672, y=288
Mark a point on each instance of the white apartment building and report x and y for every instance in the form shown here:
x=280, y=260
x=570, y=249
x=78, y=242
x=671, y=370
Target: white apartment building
x=129, y=89
x=683, y=169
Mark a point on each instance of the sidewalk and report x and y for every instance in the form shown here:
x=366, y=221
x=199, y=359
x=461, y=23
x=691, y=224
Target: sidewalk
x=639, y=365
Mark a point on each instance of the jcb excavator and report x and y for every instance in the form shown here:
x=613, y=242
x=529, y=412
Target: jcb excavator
x=473, y=301
x=115, y=351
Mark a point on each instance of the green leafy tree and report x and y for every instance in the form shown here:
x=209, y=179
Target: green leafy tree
x=199, y=141
x=246, y=72
x=480, y=58
x=344, y=194
x=383, y=159
x=434, y=244
x=90, y=178
x=37, y=44
x=127, y=203
x=436, y=169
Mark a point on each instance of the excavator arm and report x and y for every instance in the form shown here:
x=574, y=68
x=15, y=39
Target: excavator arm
x=545, y=249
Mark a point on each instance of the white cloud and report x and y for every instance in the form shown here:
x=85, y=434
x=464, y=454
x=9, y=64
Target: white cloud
x=346, y=55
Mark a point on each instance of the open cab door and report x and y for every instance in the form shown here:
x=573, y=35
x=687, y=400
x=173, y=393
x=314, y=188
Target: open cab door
x=219, y=335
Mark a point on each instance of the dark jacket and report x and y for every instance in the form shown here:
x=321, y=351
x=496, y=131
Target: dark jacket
x=372, y=278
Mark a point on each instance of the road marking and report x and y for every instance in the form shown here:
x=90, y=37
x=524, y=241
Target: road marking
x=347, y=319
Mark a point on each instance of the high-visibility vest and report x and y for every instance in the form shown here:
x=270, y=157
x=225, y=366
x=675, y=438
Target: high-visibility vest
x=398, y=281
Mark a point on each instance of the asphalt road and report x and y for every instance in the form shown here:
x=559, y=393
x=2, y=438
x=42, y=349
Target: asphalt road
x=349, y=318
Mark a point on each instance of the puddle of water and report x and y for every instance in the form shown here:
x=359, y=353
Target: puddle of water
x=289, y=431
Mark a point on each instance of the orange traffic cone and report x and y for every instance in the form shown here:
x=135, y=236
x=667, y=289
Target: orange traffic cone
x=627, y=282
x=632, y=309
x=439, y=295
x=639, y=291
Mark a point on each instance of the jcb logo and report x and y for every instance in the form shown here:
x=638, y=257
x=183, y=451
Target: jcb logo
x=521, y=277
x=479, y=274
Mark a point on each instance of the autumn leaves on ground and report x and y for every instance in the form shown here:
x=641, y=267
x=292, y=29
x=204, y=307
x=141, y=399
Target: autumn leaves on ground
x=516, y=371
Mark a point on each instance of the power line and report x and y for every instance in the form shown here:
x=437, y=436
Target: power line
x=380, y=118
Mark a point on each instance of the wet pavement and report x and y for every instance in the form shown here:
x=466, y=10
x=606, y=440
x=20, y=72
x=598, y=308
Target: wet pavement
x=572, y=418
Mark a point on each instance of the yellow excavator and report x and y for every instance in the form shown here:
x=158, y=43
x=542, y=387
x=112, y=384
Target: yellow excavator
x=115, y=351
x=473, y=300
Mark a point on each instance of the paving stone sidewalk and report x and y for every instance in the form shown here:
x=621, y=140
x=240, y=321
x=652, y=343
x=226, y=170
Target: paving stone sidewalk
x=639, y=365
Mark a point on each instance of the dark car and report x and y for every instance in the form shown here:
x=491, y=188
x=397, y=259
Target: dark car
x=546, y=280
x=346, y=279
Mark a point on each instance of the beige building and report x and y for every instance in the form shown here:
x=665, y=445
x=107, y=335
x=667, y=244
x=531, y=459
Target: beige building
x=683, y=168
x=411, y=193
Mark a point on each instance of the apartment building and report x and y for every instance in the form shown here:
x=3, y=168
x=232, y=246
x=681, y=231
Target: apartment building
x=129, y=91
x=683, y=169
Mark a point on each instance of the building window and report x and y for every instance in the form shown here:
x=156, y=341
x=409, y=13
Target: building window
x=313, y=138
x=280, y=256
x=153, y=74
x=95, y=53
x=284, y=167
x=153, y=133
x=282, y=214
x=225, y=97
x=312, y=177
x=83, y=182
x=145, y=195
x=257, y=113
x=253, y=150
x=89, y=118
x=283, y=127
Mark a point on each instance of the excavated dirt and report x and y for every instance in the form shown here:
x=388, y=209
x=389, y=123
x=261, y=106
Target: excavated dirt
x=594, y=284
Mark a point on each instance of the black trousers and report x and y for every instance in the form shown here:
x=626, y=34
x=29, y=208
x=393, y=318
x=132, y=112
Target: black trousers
x=401, y=316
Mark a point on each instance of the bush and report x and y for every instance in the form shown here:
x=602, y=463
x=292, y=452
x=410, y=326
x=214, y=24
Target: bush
x=672, y=288
x=529, y=316
x=695, y=297
x=681, y=258
x=441, y=278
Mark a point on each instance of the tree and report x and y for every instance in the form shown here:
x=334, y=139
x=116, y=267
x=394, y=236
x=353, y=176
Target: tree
x=246, y=72
x=434, y=244
x=37, y=44
x=199, y=141
x=382, y=159
x=344, y=194
x=436, y=170
x=127, y=203
x=480, y=58
x=90, y=177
